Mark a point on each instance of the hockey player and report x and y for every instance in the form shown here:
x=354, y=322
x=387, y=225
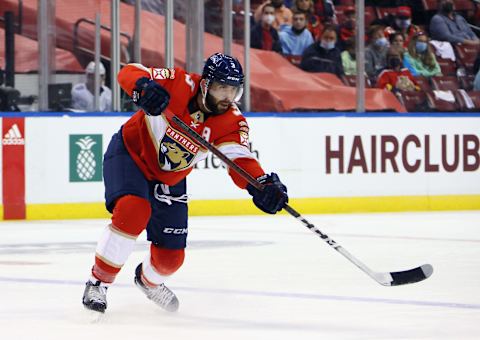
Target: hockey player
x=147, y=161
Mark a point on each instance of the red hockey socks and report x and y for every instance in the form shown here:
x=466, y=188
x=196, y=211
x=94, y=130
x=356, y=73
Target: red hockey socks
x=130, y=217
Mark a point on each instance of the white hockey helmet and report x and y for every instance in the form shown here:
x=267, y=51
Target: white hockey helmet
x=91, y=68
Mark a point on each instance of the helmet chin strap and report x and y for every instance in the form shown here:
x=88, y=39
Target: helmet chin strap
x=204, y=89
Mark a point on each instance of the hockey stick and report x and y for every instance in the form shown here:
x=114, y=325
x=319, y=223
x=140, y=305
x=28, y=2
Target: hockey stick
x=386, y=279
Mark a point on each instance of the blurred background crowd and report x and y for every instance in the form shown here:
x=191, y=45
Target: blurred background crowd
x=425, y=52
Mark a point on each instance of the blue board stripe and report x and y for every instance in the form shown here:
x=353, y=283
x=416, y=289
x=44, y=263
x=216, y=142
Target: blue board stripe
x=266, y=114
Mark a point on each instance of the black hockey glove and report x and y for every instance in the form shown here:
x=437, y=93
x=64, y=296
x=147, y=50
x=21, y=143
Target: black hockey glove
x=273, y=197
x=150, y=96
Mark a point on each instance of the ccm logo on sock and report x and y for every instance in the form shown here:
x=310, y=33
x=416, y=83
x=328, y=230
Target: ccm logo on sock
x=175, y=231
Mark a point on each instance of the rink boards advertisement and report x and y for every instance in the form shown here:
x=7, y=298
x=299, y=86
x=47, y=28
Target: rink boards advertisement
x=52, y=163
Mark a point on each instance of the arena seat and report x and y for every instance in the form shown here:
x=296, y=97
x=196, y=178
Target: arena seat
x=458, y=5
x=467, y=55
x=370, y=15
x=352, y=81
x=464, y=98
x=414, y=101
x=445, y=83
x=423, y=82
x=466, y=82
x=383, y=12
x=26, y=56
x=340, y=13
x=475, y=96
x=463, y=5
x=448, y=67
x=276, y=84
x=440, y=105
x=430, y=5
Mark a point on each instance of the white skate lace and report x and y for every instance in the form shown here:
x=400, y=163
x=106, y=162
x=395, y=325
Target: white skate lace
x=97, y=293
x=161, y=294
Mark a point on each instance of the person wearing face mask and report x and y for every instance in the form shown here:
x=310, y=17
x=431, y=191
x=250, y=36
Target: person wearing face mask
x=403, y=23
x=323, y=56
x=296, y=38
x=376, y=51
x=394, y=77
x=449, y=26
x=314, y=23
x=263, y=36
x=420, y=56
x=283, y=14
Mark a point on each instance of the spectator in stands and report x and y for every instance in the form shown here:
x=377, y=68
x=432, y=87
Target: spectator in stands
x=283, y=15
x=346, y=30
x=314, y=24
x=476, y=82
x=421, y=58
x=325, y=9
x=395, y=78
x=396, y=40
x=449, y=26
x=323, y=56
x=376, y=51
x=263, y=36
x=83, y=93
x=403, y=23
x=349, y=61
x=296, y=38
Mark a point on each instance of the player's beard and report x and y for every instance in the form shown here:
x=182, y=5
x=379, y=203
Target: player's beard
x=214, y=105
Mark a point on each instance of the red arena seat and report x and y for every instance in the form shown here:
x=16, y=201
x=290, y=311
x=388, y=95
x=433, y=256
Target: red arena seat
x=424, y=83
x=414, y=101
x=467, y=55
x=449, y=68
x=383, y=12
x=441, y=105
x=466, y=82
x=445, y=83
x=352, y=81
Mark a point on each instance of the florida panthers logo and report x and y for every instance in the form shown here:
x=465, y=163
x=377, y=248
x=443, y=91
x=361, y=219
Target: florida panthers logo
x=176, y=151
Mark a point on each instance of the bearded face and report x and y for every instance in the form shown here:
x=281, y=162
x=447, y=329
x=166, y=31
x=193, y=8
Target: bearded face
x=219, y=97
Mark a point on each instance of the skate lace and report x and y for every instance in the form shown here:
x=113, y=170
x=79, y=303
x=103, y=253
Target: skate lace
x=97, y=293
x=161, y=295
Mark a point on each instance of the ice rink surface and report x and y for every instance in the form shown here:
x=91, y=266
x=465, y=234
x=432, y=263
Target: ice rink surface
x=264, y=277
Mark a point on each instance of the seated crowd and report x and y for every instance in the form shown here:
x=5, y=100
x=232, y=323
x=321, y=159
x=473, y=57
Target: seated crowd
x=400, y=56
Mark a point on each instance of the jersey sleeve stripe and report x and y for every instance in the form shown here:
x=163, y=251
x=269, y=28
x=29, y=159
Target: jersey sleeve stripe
x=234, y=151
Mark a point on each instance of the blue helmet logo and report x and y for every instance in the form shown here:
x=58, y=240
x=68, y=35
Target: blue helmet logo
x=224, y=69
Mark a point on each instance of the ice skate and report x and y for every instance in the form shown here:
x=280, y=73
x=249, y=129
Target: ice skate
x=160, y=294
x=95, y=296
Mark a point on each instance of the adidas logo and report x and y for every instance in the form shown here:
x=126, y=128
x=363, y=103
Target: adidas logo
x=13, y=136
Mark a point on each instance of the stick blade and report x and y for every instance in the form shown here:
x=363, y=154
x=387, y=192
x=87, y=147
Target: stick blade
x=411, y=276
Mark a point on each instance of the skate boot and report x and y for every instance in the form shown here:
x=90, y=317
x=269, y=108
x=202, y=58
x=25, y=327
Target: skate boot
x=160, y=294
x=95, y=296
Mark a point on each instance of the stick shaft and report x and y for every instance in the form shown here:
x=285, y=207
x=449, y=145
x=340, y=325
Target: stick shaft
x=249, y=178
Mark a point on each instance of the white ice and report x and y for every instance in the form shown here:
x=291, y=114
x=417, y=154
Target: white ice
x=250, y=278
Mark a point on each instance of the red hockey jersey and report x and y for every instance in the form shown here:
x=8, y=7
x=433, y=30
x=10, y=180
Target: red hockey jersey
x=160, y=148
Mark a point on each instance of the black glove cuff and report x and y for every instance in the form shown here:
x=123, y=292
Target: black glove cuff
x=139, y=86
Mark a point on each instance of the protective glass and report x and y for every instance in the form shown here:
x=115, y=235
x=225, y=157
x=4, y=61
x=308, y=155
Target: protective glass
x=225, y=92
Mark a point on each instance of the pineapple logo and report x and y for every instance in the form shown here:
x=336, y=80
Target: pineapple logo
x=85, y=158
